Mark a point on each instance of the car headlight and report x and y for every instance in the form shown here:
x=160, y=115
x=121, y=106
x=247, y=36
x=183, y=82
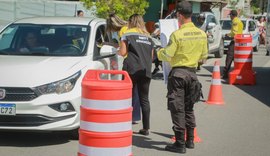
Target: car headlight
x=59, y=87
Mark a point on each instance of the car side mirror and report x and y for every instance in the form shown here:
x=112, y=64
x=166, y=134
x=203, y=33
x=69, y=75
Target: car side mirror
x=211, y=25
x=107, y=51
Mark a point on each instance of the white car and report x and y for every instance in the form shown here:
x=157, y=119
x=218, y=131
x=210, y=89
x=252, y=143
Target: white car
x=250, y=27
x=40, y=88
x=212, y=27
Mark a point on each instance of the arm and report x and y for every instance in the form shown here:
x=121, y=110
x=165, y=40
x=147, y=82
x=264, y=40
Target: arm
x=123, y=48
x=165, y=54
x=204, y=55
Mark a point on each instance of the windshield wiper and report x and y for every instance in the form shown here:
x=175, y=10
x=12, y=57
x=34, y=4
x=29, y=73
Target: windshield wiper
x=4, y=53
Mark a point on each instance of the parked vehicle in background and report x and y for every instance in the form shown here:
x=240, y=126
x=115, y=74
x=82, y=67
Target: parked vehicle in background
x=210, y=24
x=40, y=88
x=250, y=27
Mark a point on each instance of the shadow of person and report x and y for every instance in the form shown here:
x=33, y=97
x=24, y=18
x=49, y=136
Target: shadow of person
x=145, y=142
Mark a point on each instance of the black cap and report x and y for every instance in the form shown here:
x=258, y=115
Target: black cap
x=233, y=13
x=184, y=7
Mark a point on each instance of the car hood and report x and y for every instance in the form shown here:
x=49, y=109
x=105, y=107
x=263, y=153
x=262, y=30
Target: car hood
x=18, y=71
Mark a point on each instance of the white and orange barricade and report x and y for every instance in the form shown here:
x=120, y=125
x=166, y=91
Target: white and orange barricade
x=106, y=115
x=242, y=72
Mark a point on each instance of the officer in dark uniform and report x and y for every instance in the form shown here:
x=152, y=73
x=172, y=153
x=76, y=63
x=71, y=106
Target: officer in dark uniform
x=187, y=46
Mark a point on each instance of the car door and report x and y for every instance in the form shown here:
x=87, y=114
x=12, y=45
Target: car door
x=253, y=30
x=216, y=32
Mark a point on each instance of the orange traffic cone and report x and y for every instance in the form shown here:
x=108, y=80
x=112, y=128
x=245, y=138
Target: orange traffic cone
x=196, y=137
x=215, y=93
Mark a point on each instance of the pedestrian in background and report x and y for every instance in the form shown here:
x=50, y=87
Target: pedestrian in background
x=136, y=45
x=117, y=25
x=187, y=46
x=237, y=28
x=80, y=13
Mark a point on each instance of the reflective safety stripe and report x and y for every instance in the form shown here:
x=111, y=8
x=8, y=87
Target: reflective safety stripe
x=106, y=127
x=216, y=69
x=243, y=44
x=121, y=151
x=242, y=52
x=242, y=60
x=216, y=82
x=106, y=104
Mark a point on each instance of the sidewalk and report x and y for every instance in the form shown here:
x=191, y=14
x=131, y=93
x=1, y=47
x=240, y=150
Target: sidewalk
x=240, y=127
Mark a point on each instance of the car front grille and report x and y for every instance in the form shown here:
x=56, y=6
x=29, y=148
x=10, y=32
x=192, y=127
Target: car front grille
x=28, y=120
x=18, y=94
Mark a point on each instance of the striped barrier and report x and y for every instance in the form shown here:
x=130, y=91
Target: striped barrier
x=106, y=115
x=215, y=96
x=242, y=72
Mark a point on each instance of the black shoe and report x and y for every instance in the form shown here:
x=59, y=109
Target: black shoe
x=155, y=71
x=176, y=148
x=144, y=132
x=190, y=144
x=225, y=76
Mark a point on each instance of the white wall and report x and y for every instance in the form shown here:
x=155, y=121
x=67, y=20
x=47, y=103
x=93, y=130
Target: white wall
x=11, y=10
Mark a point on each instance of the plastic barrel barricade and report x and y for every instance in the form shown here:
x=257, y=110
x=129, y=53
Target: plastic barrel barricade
x=242, y=72
x=106, y=115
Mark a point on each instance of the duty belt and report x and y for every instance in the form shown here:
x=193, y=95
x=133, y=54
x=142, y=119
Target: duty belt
x=187, y=68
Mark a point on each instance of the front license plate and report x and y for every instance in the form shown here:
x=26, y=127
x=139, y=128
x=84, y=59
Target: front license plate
x=7, y=109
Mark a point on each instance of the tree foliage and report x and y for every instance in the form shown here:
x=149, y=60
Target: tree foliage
x=123, y=8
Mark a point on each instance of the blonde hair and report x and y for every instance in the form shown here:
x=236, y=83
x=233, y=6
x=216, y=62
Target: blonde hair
x=136, y=21
x=115, y=23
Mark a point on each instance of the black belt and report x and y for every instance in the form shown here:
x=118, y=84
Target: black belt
x=187, y=68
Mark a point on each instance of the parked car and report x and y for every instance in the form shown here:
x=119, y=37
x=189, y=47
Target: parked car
x=208, y=22
x=40, y=88
x=250, y=27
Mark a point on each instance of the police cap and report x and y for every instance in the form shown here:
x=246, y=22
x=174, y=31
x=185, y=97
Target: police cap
x=184, y=8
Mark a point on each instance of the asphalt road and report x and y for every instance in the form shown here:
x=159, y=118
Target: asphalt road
x=240, y=127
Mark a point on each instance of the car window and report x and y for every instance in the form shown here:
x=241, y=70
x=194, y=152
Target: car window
x=211, y=19
x=252, y=25
x=100, y=38
x=226, y=24
x=47, y=40
x=198, y=22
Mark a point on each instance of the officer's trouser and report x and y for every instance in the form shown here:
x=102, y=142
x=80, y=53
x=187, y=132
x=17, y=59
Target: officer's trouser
x=229, y=59
x=182, y=113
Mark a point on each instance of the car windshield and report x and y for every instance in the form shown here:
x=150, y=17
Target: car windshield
x=227, y=24
x=44, y=40
x=197, y=20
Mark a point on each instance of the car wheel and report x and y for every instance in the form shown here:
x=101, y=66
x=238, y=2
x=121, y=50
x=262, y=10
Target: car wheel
x=256, y=48
x=220, y=51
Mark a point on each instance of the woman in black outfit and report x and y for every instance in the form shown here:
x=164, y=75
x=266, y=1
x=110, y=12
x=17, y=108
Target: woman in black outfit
x=137, y=48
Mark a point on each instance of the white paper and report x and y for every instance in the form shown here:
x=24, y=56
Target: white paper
x=167, y=27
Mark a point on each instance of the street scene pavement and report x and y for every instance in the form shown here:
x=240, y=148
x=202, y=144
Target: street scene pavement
x=239, y=127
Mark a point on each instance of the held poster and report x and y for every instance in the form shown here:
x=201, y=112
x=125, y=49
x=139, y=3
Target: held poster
x=167, y=27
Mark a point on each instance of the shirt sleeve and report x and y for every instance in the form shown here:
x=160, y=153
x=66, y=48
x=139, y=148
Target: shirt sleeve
x=165, y=54
x=235, y=28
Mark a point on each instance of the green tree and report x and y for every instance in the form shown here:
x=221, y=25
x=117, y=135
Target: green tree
x=123, y=8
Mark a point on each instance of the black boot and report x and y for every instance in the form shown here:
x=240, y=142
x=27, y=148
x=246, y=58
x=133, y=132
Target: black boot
x=176, y=147
x=179, y=145
x=190, y=138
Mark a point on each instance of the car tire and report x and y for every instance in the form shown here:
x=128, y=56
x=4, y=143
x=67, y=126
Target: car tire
x=220, y=52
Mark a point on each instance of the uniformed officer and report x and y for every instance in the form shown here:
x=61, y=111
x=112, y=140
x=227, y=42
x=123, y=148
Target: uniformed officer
x=187, y=46
x=237, y=28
